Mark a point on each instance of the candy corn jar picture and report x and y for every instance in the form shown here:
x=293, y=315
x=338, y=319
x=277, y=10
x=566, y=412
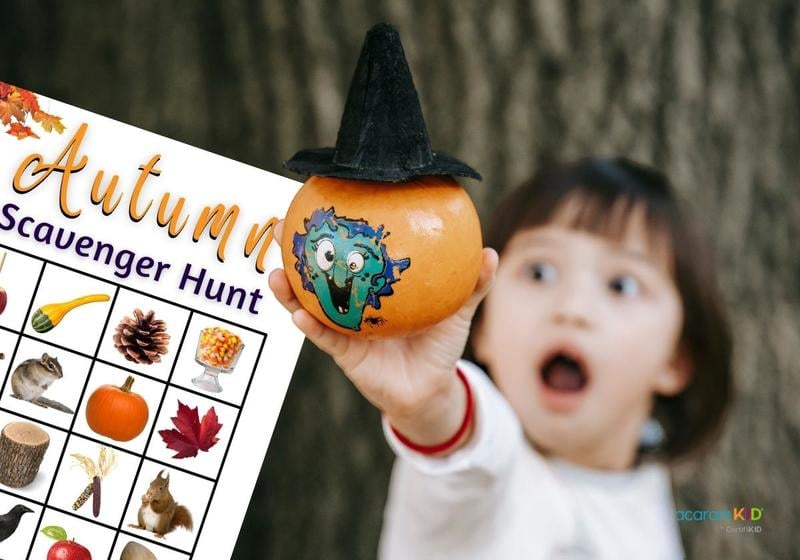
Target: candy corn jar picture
x=381, y=240
x=218, y=351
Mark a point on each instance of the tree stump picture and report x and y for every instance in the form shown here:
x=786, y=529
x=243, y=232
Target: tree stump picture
x=22, y=448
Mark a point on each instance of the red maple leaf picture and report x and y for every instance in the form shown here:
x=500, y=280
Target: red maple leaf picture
x=191, y=434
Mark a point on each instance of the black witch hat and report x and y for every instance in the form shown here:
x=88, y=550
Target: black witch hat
x=382, y=136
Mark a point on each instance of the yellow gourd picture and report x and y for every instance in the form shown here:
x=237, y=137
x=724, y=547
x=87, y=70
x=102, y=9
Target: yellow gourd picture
x=49, y=316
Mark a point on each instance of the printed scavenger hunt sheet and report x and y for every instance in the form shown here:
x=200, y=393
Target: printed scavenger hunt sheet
x=144, y=360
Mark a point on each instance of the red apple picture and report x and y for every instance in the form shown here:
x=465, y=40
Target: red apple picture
x=68, y=550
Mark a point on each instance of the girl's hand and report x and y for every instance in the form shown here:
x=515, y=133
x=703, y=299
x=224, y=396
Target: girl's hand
x=412, y=379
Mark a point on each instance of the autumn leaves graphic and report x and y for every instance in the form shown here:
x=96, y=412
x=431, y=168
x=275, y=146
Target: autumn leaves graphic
x=16, y=105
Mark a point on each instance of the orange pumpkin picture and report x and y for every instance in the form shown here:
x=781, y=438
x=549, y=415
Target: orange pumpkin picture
x=117, y=412
x=381, y=240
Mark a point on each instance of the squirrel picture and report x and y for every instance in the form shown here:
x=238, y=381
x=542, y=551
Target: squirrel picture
x=31, y=379
x=159, y=512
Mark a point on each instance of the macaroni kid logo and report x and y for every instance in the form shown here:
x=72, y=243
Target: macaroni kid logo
x=747, y=520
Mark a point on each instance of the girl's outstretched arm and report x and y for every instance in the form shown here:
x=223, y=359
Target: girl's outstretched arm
x=411, y=379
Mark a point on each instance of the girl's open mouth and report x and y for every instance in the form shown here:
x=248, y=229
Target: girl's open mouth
x=564, y=379
x=563, y=373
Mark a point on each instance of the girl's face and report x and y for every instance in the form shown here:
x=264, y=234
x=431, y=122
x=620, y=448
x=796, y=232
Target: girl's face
x=580, y=332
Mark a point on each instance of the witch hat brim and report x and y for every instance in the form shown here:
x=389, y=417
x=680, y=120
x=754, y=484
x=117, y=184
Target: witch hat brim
x=320, y=161
x=382, y=136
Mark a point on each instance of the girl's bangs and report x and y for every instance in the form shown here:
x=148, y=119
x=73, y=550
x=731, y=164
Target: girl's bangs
x=607, y=214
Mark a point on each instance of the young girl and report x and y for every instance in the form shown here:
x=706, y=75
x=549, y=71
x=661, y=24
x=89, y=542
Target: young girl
x=604, y=321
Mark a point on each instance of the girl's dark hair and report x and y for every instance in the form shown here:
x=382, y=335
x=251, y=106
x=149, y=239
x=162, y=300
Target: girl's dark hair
x=607, y=191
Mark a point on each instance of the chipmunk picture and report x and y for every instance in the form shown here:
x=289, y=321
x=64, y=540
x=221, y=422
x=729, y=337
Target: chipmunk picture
x=159, y=512
x=32, y=378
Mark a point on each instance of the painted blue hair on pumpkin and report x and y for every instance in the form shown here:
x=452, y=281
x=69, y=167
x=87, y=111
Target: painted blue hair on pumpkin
x=391, y=269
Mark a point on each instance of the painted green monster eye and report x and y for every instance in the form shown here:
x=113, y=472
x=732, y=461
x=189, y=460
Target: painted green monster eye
x=355, y=261
x=325, y=254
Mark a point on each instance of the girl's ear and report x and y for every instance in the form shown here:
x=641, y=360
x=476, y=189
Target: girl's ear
x=674, y=378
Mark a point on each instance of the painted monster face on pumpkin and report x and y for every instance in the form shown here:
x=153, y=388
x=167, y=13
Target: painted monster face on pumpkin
x=345, y=264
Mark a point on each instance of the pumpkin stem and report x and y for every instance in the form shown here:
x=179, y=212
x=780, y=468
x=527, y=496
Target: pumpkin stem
x=127, y=385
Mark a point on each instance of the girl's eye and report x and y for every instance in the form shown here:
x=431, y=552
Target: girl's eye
x=625, y=285
x=325, y=254
x=355, y=261
x=542, y=272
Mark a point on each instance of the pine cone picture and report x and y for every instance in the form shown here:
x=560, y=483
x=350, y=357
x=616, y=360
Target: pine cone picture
x=142, y=339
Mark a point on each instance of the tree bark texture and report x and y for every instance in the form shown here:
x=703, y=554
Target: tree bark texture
x=708, y=91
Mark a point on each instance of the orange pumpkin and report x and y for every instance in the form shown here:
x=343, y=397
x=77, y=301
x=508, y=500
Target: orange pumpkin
x=377, y=259
x=117, y=412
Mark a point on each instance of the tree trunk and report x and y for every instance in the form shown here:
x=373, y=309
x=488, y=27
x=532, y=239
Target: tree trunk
x=708, y=91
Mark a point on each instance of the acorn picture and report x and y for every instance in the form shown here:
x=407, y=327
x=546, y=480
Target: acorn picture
x=136, y=551
x=381, y=240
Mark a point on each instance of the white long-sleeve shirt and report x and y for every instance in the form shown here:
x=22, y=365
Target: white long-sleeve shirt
x=497, y=498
